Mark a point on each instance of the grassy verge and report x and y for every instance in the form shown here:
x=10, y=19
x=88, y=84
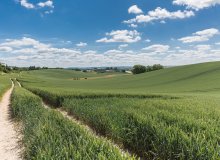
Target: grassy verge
x=5, y=84
x=48, y=135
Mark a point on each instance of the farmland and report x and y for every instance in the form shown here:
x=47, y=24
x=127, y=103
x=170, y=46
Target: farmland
x=197, y=78
x=167, y=114
x=48, y=135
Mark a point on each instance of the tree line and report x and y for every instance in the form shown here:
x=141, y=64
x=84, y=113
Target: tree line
x=6, y=69
x=137, y=69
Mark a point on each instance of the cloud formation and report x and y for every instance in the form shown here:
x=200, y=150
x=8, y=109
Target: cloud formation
x=135, y=10
x=197, y=4
x=81, y=44
x=157, y=48
x=200, y=36
x=124, y=36
x=26, y=4
x=47, y=4
x=160, y=14
x=29, y=51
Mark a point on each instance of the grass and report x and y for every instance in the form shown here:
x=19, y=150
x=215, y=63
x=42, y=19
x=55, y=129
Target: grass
x=155, y=128
x=198, y=78
x=48, y=135
x=167, y=114
x=5, y=84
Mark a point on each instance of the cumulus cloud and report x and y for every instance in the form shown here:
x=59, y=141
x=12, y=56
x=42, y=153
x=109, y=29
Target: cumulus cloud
x=135, y=10
x=28, y=51
x=48, y=3
x=124, y=36
x=24, y=42
x=81, y=44
x=133, y=25
x=157, y=48
x=26, y=4
x=200, y=36
x=122, y=46
x=197, y=4
x=160, y=14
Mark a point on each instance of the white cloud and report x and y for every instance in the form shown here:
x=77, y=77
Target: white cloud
x=200, y=36
x=26, y=4
x=27, y=51
x=197, y=4
x=24, y=42
x=113, y=52
x=135, y=10
x=125, y=36
x=161, y=15
x=90, y=52
x=48, y=3
x=122, y=46
x=157, y=48
x=133, y=25
x=203, y=47
x=81, y=44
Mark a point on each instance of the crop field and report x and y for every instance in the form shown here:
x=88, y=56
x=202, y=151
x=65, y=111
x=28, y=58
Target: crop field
x=198, y=78
x=48, y=135
x=185, y=128
x=167, y=114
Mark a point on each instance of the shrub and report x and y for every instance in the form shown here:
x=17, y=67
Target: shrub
x=137, y=69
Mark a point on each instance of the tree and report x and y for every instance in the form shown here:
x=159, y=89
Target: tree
x=137, y=69
x=157, y=67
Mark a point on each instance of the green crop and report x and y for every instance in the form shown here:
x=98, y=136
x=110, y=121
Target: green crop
x=167, y=114
x=48, y=135
x=184, y=128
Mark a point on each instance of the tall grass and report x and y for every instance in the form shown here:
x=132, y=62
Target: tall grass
x=129, y=110
x=48, y=135
x=57, y=98
x=5, y=84
x=155, y=128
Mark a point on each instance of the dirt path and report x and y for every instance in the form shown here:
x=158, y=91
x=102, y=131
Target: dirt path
x=9, y=149
x=19, y=84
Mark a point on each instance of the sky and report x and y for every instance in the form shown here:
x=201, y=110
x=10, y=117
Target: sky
x=93, y=33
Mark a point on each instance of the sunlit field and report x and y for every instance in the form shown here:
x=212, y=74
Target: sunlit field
x=167, y=114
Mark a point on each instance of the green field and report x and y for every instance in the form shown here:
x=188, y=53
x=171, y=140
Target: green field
x=167, y=114
x=48, y=135
x=5, y=83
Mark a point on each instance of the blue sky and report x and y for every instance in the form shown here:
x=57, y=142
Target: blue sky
x=109, y=33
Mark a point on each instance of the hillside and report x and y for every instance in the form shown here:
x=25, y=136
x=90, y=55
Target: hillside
x=196, y=78
x=167, y=114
